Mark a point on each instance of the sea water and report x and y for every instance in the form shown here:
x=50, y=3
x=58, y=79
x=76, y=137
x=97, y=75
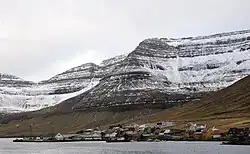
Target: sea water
x=8, y=147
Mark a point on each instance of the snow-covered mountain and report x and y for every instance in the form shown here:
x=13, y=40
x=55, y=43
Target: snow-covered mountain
x=35, y=96
x=18, y=95
x=159, y=72
x=167, y=72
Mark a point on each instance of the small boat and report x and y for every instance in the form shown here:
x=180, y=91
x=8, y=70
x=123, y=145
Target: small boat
x=153, y=140
x=236, y=143
x=112, y=141
x=18, y=140
x=118, y=140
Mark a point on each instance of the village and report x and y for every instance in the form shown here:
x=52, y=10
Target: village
x=151, y=132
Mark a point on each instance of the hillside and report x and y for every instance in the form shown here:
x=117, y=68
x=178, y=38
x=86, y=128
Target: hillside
x=226, y=108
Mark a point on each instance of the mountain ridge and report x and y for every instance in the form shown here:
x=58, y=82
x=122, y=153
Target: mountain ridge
x=206, y=65
x=167, y=39
x=181, y=66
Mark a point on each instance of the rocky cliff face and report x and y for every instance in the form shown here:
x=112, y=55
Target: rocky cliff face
x=167, y=72
x=160, y=72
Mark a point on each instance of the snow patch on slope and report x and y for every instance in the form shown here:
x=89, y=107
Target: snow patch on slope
x=21, y=103
x=208, y=39
x=204, y=73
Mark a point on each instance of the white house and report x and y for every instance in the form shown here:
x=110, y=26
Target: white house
x=59, y=137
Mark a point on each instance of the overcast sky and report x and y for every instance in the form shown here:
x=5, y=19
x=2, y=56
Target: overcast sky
x=40, y=38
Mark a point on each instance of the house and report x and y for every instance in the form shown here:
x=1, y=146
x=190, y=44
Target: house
x=165, y=124
x=197, y=127
x=59, y=137
x=167, y=131
x=142, y=127
x=196, y=130
x=192, y=127
x=115, y=126
x=215, y=134
x=112, y=135
x=200, y=129
x=212, y=133
x=38, y=139
x=169, y=134
x=156, y=130
x=145, y=136
x=165, y=135
x=131, y=135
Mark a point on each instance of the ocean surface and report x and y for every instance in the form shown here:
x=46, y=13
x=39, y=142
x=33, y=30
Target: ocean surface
x=8, y=147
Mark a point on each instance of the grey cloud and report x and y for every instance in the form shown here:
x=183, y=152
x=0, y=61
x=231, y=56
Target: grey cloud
x=41, y=38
